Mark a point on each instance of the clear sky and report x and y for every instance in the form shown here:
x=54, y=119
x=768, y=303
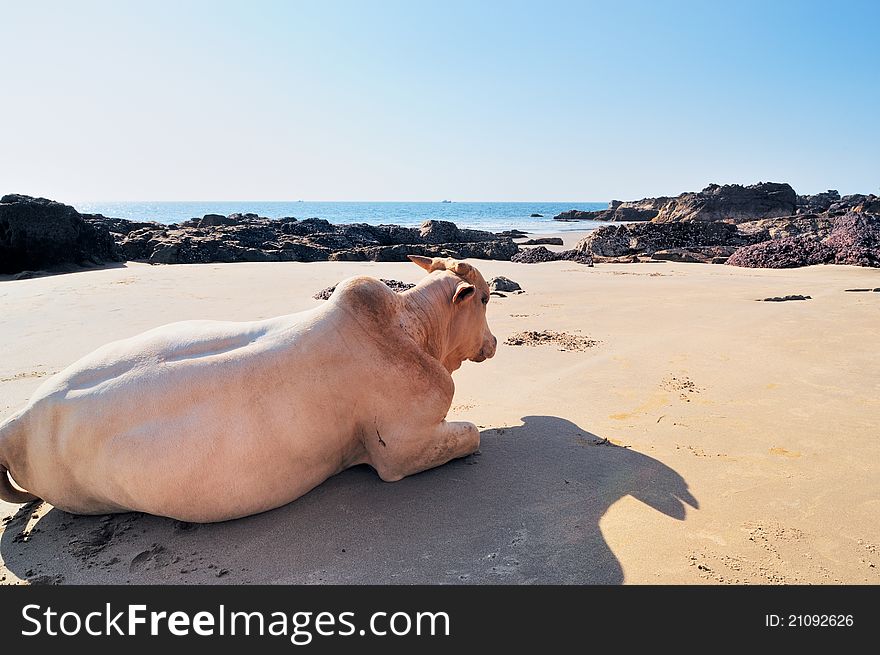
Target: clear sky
x=417, y=100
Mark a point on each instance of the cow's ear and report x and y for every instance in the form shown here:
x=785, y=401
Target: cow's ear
x=423, y=262
x=463, y=292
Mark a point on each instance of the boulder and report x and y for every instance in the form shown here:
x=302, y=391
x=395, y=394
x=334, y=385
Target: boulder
x=438, y=232
x=542, y=241
x=501, y=283
x=36, y=233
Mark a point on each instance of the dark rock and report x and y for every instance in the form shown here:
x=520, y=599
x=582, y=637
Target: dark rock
x=501, y=283
x=37, y=233
x=784, y=252
x=213, y=220
x=786, y=298
x=395, y=285
x=438, y=232
x=534, y=256
x=306, y=227
x=512, y=234
x=536, y=215
x=498, y=249
x=119, y=226
x=540, y=254
x=638, y=210
x=870, y=205
x=812, y=225
x=817, y=203
x=549, y=241
x=575, y=215
x=853, y=238
x=703, y=255
x=251, y=238
x=731, y=202
x=857, y=202
x=648, y=238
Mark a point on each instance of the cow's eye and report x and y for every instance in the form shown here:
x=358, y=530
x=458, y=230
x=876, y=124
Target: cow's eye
x=485, y=300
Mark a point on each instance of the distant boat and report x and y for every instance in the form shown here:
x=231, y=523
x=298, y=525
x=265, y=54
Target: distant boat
x=445, y=201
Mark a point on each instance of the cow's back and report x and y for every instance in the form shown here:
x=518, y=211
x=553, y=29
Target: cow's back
x=179, y=413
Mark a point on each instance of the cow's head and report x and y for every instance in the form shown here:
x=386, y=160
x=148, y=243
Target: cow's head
x=468, y=334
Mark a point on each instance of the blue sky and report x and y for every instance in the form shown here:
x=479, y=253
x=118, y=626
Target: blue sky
x=431, y=100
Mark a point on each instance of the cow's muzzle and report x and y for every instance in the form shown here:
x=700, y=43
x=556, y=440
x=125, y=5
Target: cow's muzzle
x=487, y=351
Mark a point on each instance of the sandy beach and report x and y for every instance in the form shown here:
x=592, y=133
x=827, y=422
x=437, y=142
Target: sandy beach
x=677, y=431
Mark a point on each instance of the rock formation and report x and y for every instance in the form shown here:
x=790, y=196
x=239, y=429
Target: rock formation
x=36, y=233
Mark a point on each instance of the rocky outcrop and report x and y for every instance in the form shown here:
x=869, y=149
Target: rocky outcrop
x=638, y=210
x=817, y=203
x=784, y=252
x=542, y=241
x=813, y=225
x=853, y=238
x=36, y=233
x=730, y=202
x=251, y=238
x=782, y=242
x=540, y=254
x=502, y=250
x=645, y=239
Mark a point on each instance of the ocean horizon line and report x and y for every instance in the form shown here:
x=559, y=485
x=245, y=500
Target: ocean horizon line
x=534, y=216
x=375, y=202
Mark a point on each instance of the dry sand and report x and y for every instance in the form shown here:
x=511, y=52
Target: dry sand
x=704, y=438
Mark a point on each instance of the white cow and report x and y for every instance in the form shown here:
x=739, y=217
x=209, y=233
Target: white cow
x=208, y=421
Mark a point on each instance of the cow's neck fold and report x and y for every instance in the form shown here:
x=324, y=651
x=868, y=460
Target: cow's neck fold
x=428, y=309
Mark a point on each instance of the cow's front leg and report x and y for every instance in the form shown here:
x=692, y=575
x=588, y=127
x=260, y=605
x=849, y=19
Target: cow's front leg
x=418, y=449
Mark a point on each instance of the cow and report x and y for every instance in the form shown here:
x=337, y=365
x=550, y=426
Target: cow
x=206, y=421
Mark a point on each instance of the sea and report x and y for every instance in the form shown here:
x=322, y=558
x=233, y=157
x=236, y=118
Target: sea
x=490, y=216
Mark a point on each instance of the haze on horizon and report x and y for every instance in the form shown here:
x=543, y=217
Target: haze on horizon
x=551, y=101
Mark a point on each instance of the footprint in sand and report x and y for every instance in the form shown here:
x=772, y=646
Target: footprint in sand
x=155, y=557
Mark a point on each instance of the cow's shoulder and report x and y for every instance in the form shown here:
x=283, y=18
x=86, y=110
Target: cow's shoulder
x=369, y=298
